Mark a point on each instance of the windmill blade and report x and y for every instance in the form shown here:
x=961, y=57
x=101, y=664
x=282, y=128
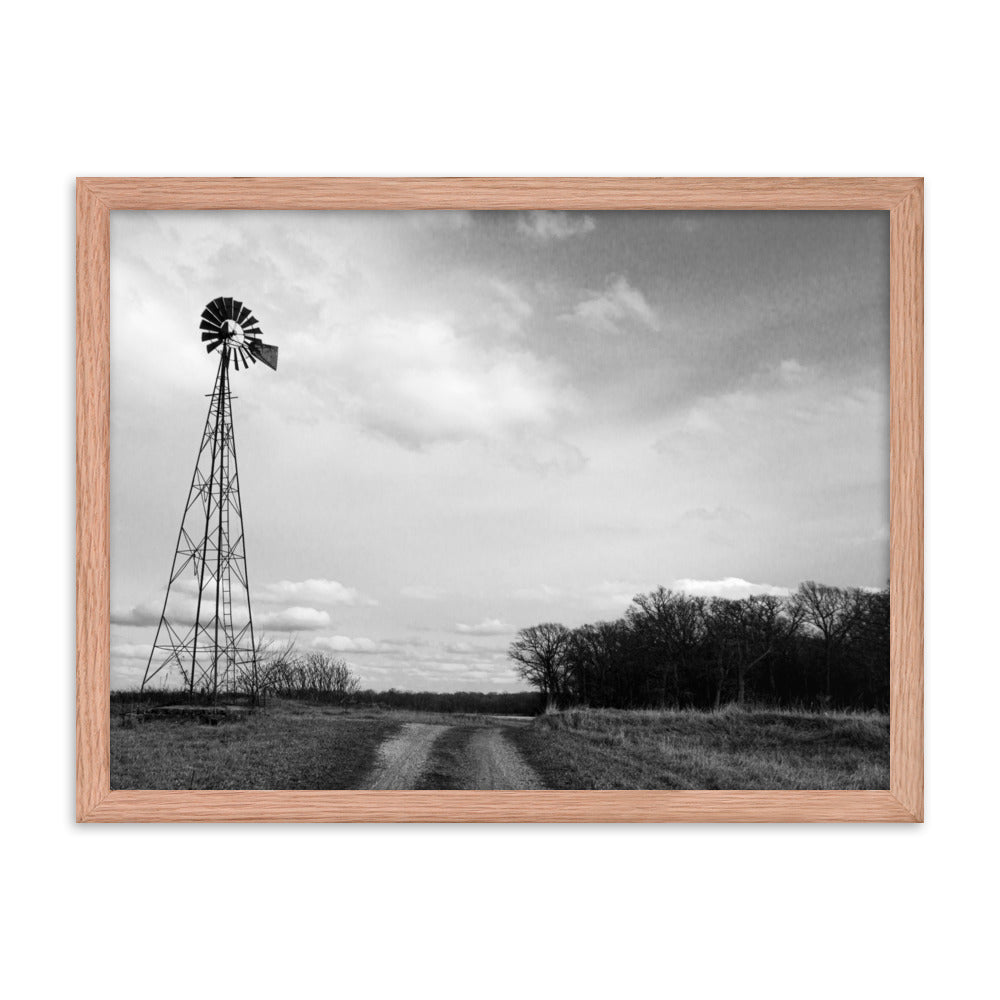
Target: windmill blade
x=215, y=311
x=222, y=321
x=267, y=353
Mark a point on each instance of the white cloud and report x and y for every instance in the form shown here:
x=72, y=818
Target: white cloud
x=422, y=381
x=297, y=614
x=619, y=304
x=396, y=651
x=147, y=613
x=182, y=607
x=730, y=586
x=294, y=619
x=555, y=225
x=488, y=626
x=316, y=591
x=346, y=644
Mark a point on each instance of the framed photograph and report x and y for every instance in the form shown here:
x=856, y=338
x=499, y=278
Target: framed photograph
x=500, y=500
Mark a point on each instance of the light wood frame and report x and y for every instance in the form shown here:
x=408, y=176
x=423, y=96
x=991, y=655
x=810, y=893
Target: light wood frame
x=98, y=197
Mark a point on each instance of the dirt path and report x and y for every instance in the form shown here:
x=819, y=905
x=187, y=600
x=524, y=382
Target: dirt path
x=402, y=758
x=497, y=765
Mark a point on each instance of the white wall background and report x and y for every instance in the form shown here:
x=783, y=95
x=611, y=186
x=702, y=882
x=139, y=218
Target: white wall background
x=514, y=88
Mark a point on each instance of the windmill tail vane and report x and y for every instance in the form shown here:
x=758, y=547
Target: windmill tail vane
x=205, y=637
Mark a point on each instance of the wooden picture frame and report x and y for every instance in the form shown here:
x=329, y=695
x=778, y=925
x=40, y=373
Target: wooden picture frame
x=98, y=197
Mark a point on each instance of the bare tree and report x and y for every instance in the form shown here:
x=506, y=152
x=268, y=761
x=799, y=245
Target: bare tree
x=252, y=677
x=834, y=614
x=595, y=665
x=328, y=678
x=539, y=652
x=673, y=627
x=746, y=632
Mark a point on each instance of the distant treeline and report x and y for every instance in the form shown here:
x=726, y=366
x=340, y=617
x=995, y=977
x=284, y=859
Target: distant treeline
x=322, y=679
x=480, y=702
x=823, y=647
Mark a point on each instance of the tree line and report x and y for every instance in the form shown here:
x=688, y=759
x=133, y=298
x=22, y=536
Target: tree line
x=283, y=671
x=319, y=677
x=462, y=702
x=822, y=647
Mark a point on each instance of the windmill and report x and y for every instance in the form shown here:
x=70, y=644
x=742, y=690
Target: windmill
x=206, y=633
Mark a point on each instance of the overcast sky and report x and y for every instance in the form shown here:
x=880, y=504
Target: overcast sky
x=481, y=421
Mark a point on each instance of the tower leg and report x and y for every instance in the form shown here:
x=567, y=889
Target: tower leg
x=205, y=641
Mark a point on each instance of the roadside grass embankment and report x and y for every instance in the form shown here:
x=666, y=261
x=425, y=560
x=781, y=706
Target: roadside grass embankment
x=291, y=745
x=729, y=749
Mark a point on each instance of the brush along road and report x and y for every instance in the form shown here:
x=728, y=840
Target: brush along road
x=480, y=758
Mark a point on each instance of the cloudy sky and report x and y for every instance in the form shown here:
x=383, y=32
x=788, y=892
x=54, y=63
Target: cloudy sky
x=481, y=421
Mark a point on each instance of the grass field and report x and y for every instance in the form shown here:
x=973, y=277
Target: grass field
x=291, y=745
x=591, y=748
x=300, y=746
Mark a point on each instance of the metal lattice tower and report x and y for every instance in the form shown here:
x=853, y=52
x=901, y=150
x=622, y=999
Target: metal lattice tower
x=205, y=637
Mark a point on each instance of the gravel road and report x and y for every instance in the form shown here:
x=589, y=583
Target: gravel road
x=401, y=758
x=497, y=765
x=490, y=762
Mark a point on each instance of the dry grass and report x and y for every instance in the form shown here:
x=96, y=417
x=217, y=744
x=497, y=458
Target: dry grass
x=291, y=745
x=749, y=749
x=449, y=760
x=297, y=745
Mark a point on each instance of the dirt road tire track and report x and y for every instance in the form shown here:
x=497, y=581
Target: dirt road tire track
x=402, y=758
x=483, y=760
x=496, y=765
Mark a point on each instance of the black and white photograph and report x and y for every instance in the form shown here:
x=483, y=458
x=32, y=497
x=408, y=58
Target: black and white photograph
x=494, y=500
x=500, y=500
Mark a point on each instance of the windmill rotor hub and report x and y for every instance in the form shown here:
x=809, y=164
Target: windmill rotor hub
x=233, y=332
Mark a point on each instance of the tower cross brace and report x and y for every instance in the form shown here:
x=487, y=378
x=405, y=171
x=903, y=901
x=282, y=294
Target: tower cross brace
x=205, y=638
